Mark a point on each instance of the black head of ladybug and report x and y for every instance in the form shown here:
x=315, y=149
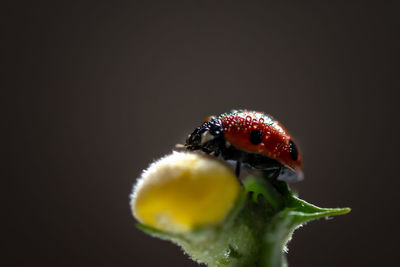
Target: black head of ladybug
x=208, y=137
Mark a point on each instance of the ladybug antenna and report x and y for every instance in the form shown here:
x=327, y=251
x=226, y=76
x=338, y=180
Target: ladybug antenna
x=179, y=146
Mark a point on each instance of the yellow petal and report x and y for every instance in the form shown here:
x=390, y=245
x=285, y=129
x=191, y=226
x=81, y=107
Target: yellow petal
x=183, y=191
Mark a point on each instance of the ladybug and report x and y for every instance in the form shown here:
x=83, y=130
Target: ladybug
x=252, y=138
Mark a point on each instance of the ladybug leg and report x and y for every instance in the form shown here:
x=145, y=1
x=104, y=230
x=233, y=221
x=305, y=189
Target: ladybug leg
x=272, y=176
x=237, y=169
x=280, y=186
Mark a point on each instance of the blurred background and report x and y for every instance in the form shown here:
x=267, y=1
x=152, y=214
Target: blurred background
x=93, y=93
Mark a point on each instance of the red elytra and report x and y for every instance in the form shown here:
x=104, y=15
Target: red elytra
x=275, y=142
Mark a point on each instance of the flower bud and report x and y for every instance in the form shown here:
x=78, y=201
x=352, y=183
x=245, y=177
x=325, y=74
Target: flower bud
x=184, y=191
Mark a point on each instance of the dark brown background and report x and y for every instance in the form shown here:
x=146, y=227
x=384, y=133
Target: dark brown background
x=98, y=92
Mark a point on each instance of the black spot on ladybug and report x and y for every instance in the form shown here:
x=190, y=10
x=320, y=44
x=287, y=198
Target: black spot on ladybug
x=255, y=137
x=294, y=153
